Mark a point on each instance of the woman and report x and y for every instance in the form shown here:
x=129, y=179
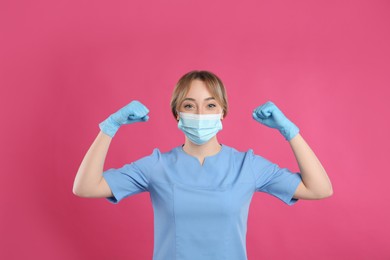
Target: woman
x=201, y=191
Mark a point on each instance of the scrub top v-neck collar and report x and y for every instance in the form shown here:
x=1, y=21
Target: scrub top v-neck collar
x=206, y=158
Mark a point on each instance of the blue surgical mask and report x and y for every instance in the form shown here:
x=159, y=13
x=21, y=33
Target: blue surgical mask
x=200, y=128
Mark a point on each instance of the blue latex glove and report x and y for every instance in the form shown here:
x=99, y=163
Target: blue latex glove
x=270, y=115
x=131, y=113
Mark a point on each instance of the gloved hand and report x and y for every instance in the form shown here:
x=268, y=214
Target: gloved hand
x=129, y=114
x=270, y=115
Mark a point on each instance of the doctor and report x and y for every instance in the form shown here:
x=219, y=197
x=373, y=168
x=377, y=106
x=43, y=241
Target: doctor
x=201, y=190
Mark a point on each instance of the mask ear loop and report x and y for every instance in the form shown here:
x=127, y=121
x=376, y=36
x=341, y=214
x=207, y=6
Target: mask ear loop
x=177, y=116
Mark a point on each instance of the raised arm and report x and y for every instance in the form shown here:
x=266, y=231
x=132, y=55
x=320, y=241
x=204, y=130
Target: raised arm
x=89, y=181
x=315, y=182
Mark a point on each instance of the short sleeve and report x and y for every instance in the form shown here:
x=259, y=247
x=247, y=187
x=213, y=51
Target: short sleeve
x=130, y=179
x=276, y=181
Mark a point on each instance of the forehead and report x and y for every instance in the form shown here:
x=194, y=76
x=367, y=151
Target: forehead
x=198, y=88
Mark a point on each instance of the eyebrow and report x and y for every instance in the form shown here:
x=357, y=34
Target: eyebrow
x=206, y=99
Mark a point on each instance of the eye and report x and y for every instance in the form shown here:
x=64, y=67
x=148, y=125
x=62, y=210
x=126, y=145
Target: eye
x=211, y=105
x=188, y=106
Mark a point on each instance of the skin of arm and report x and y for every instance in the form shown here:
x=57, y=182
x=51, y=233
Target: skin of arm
x=89, y=181
x=315, y=181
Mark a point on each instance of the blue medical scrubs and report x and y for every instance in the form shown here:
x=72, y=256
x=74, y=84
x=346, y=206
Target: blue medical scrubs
x=201, y=211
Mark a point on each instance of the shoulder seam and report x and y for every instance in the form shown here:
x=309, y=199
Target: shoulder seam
x=251, y=168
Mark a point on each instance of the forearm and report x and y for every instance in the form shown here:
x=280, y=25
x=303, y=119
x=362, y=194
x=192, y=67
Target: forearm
x=314, y=176
x=90, y=171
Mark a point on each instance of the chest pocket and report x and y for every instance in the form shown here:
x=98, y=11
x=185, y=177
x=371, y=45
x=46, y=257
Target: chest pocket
x=201, y=218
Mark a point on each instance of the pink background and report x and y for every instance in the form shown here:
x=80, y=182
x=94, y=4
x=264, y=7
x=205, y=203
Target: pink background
x=67, y=65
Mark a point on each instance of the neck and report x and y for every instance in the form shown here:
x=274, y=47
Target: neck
x=207, y=149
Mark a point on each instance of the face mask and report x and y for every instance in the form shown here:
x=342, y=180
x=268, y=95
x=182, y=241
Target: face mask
x=200, y=128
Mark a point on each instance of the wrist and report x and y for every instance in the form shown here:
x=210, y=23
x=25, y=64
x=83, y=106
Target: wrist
x=109, y=127
x=289, y=131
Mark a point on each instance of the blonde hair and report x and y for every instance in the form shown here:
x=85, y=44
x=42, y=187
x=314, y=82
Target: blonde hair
x=213, y=83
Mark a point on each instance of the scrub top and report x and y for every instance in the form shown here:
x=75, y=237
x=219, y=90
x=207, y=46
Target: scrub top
x=201, y=211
